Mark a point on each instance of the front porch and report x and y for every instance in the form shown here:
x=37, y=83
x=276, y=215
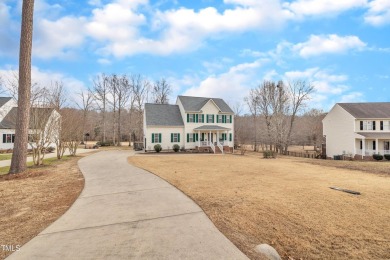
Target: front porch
x=214, y=139
x=372, y=143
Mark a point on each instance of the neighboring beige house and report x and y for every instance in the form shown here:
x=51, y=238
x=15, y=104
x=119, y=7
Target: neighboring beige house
x=43, y=121
x=195, y=123
x=357, y=129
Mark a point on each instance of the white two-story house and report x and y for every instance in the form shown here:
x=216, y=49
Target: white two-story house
x=194, y=123
x=358, y=129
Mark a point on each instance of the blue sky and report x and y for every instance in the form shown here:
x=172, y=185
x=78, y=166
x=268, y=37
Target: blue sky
x=208, y=47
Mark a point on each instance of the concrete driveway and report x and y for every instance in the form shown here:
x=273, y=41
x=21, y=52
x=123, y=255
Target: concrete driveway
x=4, y=163
x=127, y=213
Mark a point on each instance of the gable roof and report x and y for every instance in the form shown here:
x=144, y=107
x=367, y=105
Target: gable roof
x=163, y=115
x=195, y=104
x=9, y=121
x=367, y=110
x=4, y=100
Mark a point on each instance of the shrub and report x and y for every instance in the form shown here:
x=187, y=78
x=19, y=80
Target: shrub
x=269, y=154
x=106, y=143
x=387, y=157
x=157, y=148
x=176, y=147
x=50, y=149
x=377, y=157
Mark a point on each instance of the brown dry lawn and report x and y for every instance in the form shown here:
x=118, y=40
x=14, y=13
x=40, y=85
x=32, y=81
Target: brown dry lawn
x=33, y=200
x=285, y=202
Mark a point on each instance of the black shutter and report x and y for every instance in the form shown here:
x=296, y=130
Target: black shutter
x=4, y=138
x=381, y=125
x=152, y=138
x=361, y=125
x=361, y=145
x=373, y=125
x=373, y=145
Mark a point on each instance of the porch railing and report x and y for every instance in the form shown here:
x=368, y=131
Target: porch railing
x=212, y=146
x=220, y=146
x=369, y=152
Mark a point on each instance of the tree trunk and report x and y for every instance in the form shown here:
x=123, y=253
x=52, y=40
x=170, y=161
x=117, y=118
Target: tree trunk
x=19, y=154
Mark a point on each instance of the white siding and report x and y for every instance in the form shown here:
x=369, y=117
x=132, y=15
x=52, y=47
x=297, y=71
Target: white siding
x=339, y=128
x=5, y=146
x=165, y=141
x=208, y=108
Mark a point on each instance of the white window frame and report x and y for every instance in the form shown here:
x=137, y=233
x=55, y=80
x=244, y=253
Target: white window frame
x=210, y=118
x=386, y=125
x=191, y=138
x=199, y=118
x=367, y=125
x=228, y=119
x=191, y=118
x=156, y=138
x=220, y=119
x=175, y=137
x=10, y=138
x=386, y=144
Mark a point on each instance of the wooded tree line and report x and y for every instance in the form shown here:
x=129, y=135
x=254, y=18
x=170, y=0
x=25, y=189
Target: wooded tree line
x=110, y=110
x=277, y=117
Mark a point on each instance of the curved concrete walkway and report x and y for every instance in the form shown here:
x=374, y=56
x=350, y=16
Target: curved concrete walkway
x=127, y=213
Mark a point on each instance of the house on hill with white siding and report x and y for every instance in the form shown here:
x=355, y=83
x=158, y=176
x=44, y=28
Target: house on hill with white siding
x=358, y=129
x=194, y=123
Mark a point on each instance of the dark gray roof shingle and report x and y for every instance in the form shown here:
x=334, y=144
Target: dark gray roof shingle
x=4, y=100
x=368, y=110
x=195, y=104
x=163, y=115
x=9, y=121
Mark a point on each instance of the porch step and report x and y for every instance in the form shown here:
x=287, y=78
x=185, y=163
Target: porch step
x=217, y=150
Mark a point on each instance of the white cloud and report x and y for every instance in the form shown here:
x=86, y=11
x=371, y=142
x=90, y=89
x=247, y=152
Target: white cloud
x=352, y=97
x=378, y=13
x=303, y=8
x=329, y=88
x=322, y=81
x=232, y=85
x=327, y=44
x=177, y=30
x=58, y=38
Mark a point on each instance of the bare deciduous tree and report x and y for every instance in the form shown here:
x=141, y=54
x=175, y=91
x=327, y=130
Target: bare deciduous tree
x=87, y=99
x=19, y=154
x=44, y=129
x=100, y=90
x=161, y=91
x=279, y=105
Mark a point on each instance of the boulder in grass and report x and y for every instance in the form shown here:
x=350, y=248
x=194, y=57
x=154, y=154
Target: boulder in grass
x=268, y=251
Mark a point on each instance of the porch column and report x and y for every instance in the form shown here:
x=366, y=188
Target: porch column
x=217, y=137
x=376, y=146
x=227, y=137
x=363, y=147
x=210, y=137
x=199, y=139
